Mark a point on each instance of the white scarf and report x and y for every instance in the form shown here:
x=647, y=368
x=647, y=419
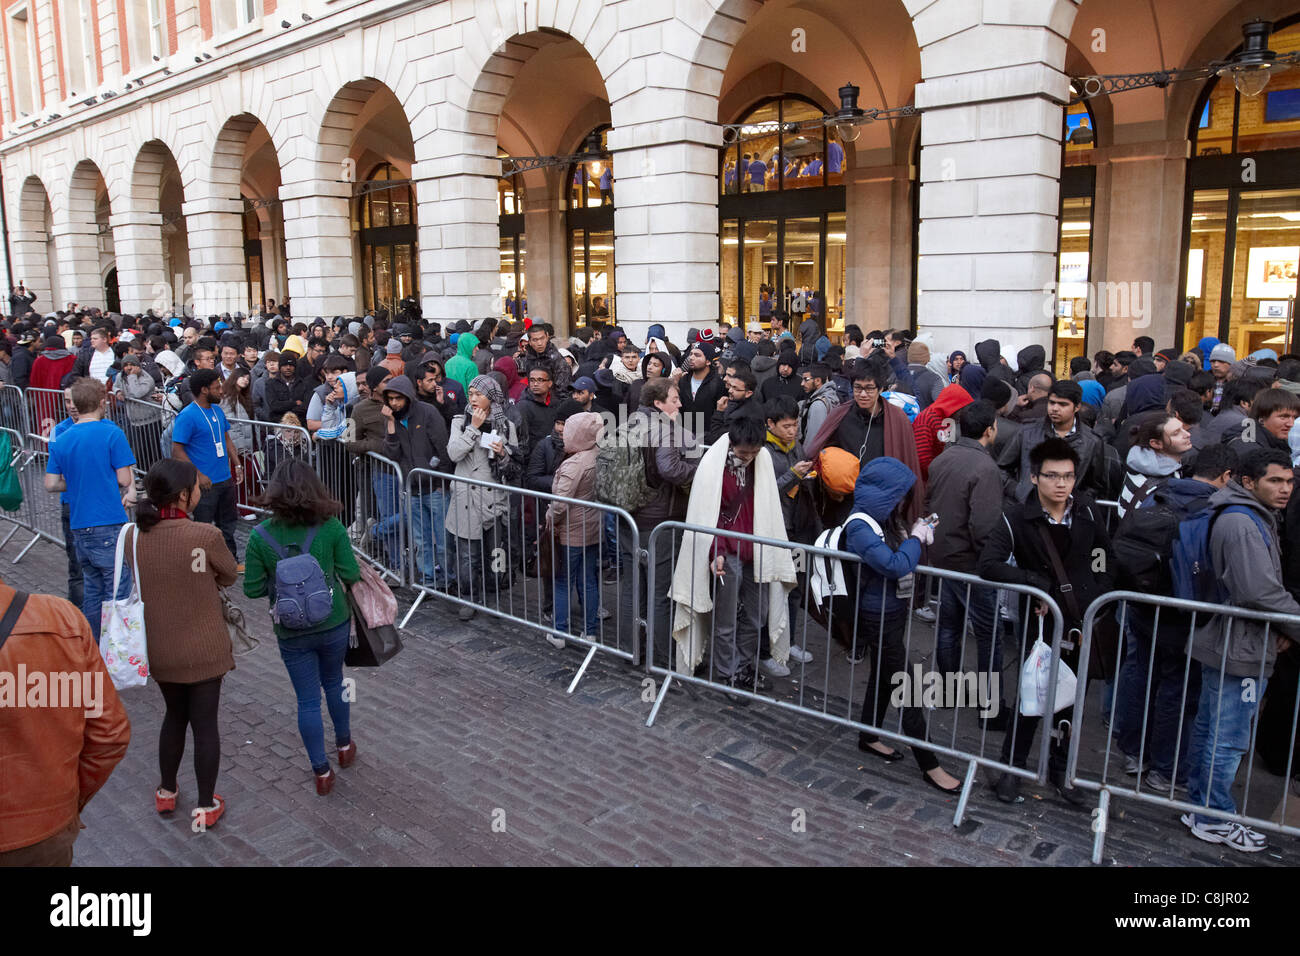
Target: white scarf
x=691, y=587
x=623, y=373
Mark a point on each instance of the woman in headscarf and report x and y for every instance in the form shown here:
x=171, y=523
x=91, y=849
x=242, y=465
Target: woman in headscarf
x=955, y=363
x=461, y=368
x=476, y=515
x=514, y=384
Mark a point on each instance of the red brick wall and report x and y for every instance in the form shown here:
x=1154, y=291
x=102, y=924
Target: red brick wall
x=99, y=49
x=205, y=18
x=123, y=40
x=173, y=43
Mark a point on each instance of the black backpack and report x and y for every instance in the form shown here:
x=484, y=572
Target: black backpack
x=1144, y=543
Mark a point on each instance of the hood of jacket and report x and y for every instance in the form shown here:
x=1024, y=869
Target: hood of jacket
x=1185, y=494
x=972, y=378
x=582, y=431
x=939, y=366
x=950, y=401
x=466, y=345
x=402, y=386
x=1205, y=347
x=1147, y=461
x=55, y=354
x=1031, y=359
x=823, y=346
x=1094, y=393
x=808, y=331
x=882, y=483
x=1233, y=493
x=507, y=367
x=763, y=363
x=656, y=331
x=1144, y=394
x=988, y=353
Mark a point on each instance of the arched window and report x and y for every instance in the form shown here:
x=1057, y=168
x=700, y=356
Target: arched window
x=510, y=213
x=590, y=221
x=389, y=251
x=1241, y=269
x=782, y=218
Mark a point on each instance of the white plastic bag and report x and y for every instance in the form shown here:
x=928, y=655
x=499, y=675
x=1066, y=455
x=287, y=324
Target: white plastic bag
x=121, y=631
x=1035, y=675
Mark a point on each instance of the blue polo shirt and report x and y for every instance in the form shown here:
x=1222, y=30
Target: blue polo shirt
x=88, y=455
x=200, y=431
x=58, y=430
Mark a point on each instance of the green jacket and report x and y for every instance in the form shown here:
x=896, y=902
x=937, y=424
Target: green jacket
x=330, y=547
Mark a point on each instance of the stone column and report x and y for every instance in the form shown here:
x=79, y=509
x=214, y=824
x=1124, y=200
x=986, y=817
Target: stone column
x=142, y=281
x=77, y=246
x=990, y=169
x=878, y=274
x=318, y=246
x=547, y=264
x=216, y=242
x=459, y=232
x=665, y=217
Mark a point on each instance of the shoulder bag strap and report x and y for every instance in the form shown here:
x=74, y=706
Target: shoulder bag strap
x=11, y=615
x=1067, y=589
x=118, y=556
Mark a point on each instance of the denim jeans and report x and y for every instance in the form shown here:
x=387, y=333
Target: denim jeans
x=1225, y=707
x=76, y=587
x=580, y=569
x=315, y=662
x=950, y=628
x=428, y=522
x=96, y=550
x=1162, y=722
x=388, y=499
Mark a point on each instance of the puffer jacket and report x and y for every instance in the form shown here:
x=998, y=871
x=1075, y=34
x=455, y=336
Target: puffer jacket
x=578, y=525
x=881, y=485
x=472, y=507
x=1250, y=567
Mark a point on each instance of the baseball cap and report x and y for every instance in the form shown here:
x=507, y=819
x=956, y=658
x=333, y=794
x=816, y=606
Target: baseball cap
x=584, y=384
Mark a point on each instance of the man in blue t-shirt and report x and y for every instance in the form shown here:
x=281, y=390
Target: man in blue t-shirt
x=834, y=157
x=201, y=436
x=76, y=587
x=92, y=461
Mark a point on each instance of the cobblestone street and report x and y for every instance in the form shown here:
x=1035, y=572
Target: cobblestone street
x=470, y=727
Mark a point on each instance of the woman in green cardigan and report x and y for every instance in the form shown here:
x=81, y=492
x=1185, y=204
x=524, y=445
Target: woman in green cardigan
x=298, y=502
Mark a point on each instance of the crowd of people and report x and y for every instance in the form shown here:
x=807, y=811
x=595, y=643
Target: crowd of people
x=987, y=464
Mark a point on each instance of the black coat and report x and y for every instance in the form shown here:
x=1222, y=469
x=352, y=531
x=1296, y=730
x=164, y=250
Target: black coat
x=282, y=396
x=697, y=410
x=20, y=369
x=546, y=457
x=1079, y=547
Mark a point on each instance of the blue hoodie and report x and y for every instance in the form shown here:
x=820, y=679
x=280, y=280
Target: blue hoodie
x=882, y=484
x=1206, y=345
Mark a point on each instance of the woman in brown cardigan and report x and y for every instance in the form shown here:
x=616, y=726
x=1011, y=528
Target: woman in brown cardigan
x=182, y=564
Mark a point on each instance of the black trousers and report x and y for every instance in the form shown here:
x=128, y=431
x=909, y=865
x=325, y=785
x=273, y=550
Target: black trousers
x=888, y=656
x=219, y=506
x=194, y=706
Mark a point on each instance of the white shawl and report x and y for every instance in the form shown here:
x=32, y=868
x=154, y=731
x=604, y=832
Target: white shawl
x=692, y=591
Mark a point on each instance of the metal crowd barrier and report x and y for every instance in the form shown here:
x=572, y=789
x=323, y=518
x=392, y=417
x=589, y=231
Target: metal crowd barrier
x=147, y=423
x=19, y=518
x=487, y=546
x=262, y=446
x=44, y=409
x=370, y=488
x=828, y=686
x=42, y=509
x=13, y=409
x=1160, y=690
x=1110, y=513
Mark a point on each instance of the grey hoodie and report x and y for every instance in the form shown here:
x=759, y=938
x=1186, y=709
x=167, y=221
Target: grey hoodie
x=1250, y=568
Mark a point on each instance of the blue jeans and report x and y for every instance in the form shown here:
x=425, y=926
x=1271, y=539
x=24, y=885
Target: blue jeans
x=1163, y=720
x=315, y=662
x=581, y=568
x=951, y=624
x=428, y=522
x=96, y=549
x=1213, y=762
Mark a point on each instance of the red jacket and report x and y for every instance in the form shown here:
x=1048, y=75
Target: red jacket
x=48, y=372
x=928, y=424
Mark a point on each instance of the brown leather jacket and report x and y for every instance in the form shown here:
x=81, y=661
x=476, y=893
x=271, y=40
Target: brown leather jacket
x=53, y=758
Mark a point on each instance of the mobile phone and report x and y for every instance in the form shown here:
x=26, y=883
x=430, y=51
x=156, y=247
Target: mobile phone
x=931, y=519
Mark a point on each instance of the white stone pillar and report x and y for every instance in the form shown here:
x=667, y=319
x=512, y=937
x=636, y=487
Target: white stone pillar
x=31, y=264
x=990, y=169
x=878, y=273
x=665, y=219
x=318, y=246
x=216, y=242
x=76, y=245
x=459, y=234
x=142, y=280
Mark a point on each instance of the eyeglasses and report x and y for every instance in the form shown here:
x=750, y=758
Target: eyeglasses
x=1057, y=477
x=865, y=389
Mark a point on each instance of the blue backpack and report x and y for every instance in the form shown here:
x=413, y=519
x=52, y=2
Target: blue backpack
x=1191, y=565
x=301, y=597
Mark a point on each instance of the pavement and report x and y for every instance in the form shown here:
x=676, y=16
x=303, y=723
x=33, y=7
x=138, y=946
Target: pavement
x=471, y=753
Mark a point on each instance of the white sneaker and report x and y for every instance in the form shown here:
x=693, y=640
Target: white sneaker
x=558, y=643
x=799, y=655
x=925, y=614
x=774, y=667
x=1233, y=835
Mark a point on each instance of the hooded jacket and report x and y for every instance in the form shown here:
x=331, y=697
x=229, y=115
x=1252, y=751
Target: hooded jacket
x=882, y=485
x=775, y=384
x=809, y=331
x=551, y=359
x=578, y=526
x=420, y=436
x=963, y=488
x=50, y=367
x=989, y=354
x=927, y=425
x=797, y=506
x=1147, y=470
x=815, y=409
x=671, y=457
x=537, y=419
x=461, y=367
x=1030, y=360
x=1249, y=565
x=546, y=457
x=764, y=367
x=927, y=382
x=514, y=384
